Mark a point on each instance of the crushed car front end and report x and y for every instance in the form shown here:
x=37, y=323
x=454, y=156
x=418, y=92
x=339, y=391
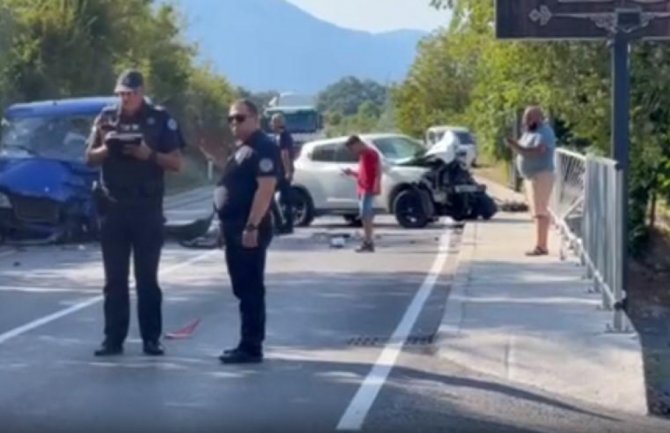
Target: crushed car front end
x=44, y=200
x=45, y=185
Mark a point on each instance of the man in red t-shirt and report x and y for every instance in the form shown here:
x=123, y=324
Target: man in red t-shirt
x=369, y=185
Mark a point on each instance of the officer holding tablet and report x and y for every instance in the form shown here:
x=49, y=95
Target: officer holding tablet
x=134, y=143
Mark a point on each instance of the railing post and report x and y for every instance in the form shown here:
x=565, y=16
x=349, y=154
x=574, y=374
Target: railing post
x=586, y=219
x=605, y=239
x=618, y=257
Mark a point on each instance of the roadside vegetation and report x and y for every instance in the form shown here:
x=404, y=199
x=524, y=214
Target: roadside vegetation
x=73, y=48
x=463, y=75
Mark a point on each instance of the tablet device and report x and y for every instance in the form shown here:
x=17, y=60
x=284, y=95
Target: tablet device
x=116, y=141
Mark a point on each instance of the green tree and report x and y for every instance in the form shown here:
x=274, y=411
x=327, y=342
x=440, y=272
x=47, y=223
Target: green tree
x=348, y=94
x=464, y=74
x=71, y=48
x=6, y=35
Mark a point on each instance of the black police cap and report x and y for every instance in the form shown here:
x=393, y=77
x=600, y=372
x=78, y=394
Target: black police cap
x=129, y=81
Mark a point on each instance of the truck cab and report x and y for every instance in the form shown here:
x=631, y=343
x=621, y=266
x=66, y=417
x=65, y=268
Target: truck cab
x=305, y=123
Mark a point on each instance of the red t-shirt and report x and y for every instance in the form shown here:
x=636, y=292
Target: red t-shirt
x=368, y=169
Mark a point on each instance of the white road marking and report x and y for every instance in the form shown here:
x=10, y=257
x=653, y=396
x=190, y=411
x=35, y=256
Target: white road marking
x=35, y=289
x=7, y=253
x=92, y=301
x=360, y=405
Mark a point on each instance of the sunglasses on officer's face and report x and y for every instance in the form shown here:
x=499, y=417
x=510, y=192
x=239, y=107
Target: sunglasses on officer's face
x=239, y=118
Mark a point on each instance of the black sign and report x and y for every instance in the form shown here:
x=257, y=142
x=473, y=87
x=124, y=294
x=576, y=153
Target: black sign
x=582, y=19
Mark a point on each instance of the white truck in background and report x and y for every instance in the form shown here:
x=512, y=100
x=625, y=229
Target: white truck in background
x=303, y=120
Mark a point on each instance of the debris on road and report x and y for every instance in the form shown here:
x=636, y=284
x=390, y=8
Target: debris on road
x=184, y=332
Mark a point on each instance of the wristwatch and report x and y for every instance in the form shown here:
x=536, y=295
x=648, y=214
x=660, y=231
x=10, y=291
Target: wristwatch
x=250, y=228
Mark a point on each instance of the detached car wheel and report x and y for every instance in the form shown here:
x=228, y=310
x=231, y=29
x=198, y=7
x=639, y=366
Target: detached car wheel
x=303, y=208
x=409, y=210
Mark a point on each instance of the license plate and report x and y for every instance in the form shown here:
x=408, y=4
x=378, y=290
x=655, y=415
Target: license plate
x=468, y=188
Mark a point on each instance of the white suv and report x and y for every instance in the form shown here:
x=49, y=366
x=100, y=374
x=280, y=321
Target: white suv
x=320, y=188
x=465, y=139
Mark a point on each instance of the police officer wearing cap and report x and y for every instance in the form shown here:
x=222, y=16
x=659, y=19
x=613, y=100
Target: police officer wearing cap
x=242, y=199
x=134, y=143
x=285, y=142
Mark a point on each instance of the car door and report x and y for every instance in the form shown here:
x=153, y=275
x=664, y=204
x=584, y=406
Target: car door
x=326, y=177
x=345, y=188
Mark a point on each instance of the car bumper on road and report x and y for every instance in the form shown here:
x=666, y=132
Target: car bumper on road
x=32, y=219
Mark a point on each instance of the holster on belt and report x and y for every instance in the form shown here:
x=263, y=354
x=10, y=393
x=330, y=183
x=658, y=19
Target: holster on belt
x=101, y=198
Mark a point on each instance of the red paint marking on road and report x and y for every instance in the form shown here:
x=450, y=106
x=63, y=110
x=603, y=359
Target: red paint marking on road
x=184, y=332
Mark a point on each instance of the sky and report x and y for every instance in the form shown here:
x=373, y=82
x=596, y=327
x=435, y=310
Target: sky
x=377, y=15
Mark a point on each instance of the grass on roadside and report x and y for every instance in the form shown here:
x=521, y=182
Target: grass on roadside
x=494, y=170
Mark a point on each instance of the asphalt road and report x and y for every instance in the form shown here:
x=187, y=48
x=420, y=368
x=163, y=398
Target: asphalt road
x=349, y=347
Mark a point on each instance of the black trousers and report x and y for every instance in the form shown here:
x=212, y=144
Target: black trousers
x=283, y=218
x=246, y=267
x=140, y=232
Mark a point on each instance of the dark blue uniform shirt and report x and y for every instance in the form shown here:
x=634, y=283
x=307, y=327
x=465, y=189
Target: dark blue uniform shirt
x=285, y=142
x=127, y=179
x=234, y=195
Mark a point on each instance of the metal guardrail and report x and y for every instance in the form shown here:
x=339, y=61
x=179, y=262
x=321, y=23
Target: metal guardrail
x=586, y=209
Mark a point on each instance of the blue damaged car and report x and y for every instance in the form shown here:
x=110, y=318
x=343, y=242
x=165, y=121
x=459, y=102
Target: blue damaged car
x=45, y=185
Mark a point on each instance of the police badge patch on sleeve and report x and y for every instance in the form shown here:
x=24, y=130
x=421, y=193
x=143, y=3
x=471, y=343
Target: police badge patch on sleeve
x=172, y=124
x=266, y=165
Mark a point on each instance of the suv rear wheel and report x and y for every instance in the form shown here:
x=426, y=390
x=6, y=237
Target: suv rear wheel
x=303, y=208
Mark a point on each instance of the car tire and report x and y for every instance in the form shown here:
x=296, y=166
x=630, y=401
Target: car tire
x=486, y=206
x=303, y=208
x=409, y=211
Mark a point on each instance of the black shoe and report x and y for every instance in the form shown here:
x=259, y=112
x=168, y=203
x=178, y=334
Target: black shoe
x=241, y=347
x=239, y=356
x=153, y=348
x=366, y=247
x=109, y=349
x=229, y=351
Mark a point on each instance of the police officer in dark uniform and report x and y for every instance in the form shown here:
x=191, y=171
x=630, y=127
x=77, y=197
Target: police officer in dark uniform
x=285, y=172
x=242, y=199
x=134, y=143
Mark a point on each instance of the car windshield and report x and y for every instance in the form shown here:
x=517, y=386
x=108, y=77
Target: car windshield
x=464, y=137
x=399, y=149
x=434, y=137
x=299, y=121
x=51, y=137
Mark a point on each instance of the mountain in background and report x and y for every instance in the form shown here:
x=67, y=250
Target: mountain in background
x=272, y=44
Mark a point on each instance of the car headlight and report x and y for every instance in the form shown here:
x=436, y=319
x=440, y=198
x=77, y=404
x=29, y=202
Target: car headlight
x=4, y=202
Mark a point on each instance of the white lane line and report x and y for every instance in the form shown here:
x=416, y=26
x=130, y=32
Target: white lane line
x=360, y=405
x=35, y=289
x=7, y=253
x=92, y=301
